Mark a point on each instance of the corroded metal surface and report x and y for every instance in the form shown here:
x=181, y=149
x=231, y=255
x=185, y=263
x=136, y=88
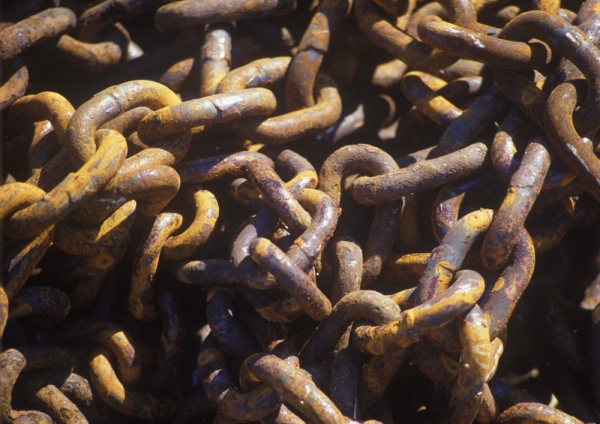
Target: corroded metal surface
x=282, y=211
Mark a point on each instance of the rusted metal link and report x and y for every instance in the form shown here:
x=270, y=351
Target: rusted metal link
x=359, y=304
x=116, y=100
x=176, y=75
x=189, y=13
x=215, y=57
x=419, y=176
x=283, y=243
x=347, y=268
x=40, y=307
x=96, y=265
x=444, y=370
x=270, y=185
x=274, y=305
x=43, y=106
x=77, y=389
x=3, y=310
x=464, y=14
x=412, y=323
x=290, y=126
x=525, y=185
x=473, y=45
x=262, y=224
x=127, y=122
x=581, y=52
x=34, y=30
x=447, y=258
x=365, y=158
x=446, y=208
x=52, y=172
x=309, y=245
x=15, y=86
x=94, y=57
x=219, y=386
x=145, y=263
x=22, y=259
x=405, y=299
x=15, y=361
x=49, y=398
x=510, y=285
x=214, y=167
x=424, y=91
x=372, y=21
x=290, y=164
x=78, y=240
x=523, y=412
x=136, y=404
x=95, y=19
x=74, y=190
x=218, y=108
x=184, y=245
x=514, y=131
x=112, y=336
x=476, y=365
x=206, y=273
x=303, y=289
x=405, y=268
x=168, y=152
x=152, y=188
x=566, y=141
x=44, y=145
x=17, y=196
x=294, y=386
x=305, y=65
x=482, y=112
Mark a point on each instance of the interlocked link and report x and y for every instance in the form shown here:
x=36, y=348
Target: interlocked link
x=282, y=212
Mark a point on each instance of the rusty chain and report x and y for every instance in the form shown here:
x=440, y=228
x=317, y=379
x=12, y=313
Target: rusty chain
x=324, y=211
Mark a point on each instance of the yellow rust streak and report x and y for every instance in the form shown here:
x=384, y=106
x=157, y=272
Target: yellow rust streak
x=479, y=219
x=511, y=195
x=445, y=271
x=304, y=175
x=498, y=285
x=261, y=248
x=124, y=351
x=17, y=196
x=105, y=380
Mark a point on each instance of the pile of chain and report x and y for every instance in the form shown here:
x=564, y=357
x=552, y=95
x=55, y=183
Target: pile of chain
x=278, y=211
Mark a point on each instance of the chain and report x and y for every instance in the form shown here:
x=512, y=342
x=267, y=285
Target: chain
x=270, y=211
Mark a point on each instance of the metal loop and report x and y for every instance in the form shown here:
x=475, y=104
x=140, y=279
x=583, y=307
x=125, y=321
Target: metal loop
x=74, y=190
x=107, y=105
x=290, y=126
